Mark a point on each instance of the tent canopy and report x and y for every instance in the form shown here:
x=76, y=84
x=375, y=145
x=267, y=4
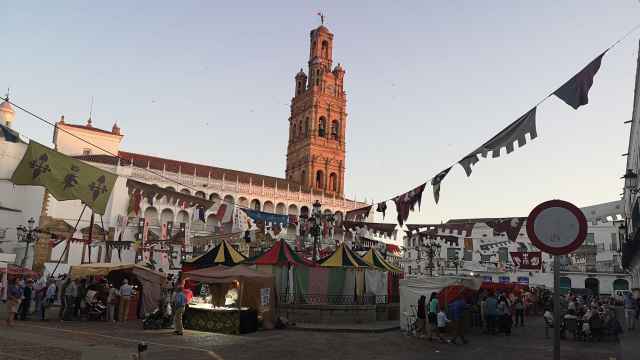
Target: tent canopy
x=223, y=274
x=15, y=270
x=151, y=280
x=281, y=254
x=222, y=254
x=343, y=257
x=373, y=258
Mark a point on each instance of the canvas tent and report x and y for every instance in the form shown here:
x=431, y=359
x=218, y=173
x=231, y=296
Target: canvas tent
x=222, y=254
x=374, y=259
x=281, y=254
x=252, y=285
x=152, y=281
x=412, y=288
x=343, y=257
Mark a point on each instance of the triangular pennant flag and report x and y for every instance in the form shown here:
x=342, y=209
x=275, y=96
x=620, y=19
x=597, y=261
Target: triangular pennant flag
x=382, y=207
x=575, y=92
x=515, y=132
x=435, y=183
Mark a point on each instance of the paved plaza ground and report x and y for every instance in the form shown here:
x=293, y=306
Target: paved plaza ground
x=54, y=340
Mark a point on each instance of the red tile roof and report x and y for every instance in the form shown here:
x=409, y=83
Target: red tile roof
x=85, y=127
x=158, y=164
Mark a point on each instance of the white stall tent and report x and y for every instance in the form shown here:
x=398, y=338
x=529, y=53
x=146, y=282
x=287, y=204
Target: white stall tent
x=412, y=288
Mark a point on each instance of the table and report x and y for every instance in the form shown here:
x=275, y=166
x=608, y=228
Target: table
x=223, y=320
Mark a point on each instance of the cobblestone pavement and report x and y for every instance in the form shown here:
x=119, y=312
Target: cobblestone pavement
x=96, y=340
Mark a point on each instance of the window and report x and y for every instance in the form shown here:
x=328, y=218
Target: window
x=325, y=49
x=503, y=254
x=468, y=255
x=322, y=126
x=335, y=130
x=86, y=152
x=333, y=182
x=320, y=179
x=306, y=127
x=614, y=242
x=591, y=239
x=452, y=253
x=303, y=178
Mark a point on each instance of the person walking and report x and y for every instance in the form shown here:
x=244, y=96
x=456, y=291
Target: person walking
x=70, y=295
x=441, y=323
x=112, y=301
x=421, y=316
x=179, y=304
x=126, y=291
x=492, y=313
x=519, y=307
x=432, y=314
x=27, y=296
x=458, y=308
x=630, y=311
x=49, y=298
x=504, y=314
x=13, y=301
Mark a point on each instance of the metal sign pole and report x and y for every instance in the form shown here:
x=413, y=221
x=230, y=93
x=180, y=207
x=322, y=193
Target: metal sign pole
x=557, y=321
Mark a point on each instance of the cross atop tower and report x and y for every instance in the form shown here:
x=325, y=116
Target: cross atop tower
x=321, y=14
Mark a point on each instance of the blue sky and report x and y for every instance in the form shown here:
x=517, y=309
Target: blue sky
x=427, y=82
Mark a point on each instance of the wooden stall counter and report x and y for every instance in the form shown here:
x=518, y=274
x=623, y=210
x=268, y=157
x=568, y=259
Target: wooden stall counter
x=204, y=317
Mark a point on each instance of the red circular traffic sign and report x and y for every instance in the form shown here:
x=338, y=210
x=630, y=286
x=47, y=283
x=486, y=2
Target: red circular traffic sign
x=556, y=227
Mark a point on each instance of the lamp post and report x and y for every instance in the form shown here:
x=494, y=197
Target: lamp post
x=315, y=230
x=432, y=249
x=28, y=235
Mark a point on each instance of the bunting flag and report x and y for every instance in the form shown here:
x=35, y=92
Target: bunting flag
x=575, y=92
x=460, y=228
x=358, y=214
x=382, y=207
x=407, y=201
x=256, y=215
x=155, y=192
x=381, y=228
x=435, y=183
x=224, y=213
x=9, y=134
x=64, y=177
x=509, y=226
x=505, y=138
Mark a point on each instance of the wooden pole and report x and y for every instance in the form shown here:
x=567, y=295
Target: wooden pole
x=88, y=244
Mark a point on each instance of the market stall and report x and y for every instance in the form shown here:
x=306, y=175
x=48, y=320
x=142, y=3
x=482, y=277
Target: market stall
x=412, y=288
x=230, y=300
x=147, y=283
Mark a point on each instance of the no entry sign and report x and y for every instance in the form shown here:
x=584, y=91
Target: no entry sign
x=556, y=227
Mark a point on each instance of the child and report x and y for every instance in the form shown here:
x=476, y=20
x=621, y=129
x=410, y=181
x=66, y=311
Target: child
x=442, y=323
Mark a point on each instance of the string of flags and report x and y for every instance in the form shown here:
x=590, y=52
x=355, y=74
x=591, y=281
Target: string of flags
x=574, y=92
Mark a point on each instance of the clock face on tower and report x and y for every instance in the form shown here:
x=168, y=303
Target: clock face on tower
x=316, y=152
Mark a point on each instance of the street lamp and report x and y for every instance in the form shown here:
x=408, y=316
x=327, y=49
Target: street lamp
x=432, y=248
x=27, y=235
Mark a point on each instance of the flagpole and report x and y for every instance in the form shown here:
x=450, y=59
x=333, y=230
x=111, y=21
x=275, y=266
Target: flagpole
x=88, y=244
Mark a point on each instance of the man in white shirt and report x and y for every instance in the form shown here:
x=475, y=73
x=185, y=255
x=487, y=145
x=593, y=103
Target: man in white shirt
x=126, y=291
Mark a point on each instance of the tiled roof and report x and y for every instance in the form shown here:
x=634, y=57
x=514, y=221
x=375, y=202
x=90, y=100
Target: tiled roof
x=91, y=128
x=158, y=164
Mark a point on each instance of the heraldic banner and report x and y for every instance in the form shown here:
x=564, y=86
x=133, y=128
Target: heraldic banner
x=527, y=260
x=64, y=177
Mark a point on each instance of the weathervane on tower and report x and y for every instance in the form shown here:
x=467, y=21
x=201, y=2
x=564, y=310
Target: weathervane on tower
x=321, y=17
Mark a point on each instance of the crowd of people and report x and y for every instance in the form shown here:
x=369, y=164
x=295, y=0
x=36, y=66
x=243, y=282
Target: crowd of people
x=92, y=297
x=591, y=318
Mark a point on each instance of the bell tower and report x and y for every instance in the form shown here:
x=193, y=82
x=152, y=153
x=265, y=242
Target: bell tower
x=316, y=148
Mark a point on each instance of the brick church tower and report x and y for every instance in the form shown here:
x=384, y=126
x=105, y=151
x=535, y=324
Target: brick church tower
x=316, y=149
